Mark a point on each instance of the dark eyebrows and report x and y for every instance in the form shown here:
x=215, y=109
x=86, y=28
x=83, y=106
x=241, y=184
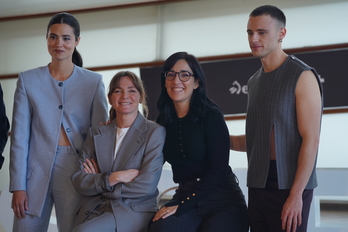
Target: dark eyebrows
x=182, y=70
x=258, y=30
x=57, y=35
x=262, y=30
x=130, y=87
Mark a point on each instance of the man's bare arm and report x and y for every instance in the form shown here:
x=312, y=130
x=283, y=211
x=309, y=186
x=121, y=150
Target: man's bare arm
x=238, y=143
x=308, y=107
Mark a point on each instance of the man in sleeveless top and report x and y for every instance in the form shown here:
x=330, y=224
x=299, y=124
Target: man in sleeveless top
x=282, y=129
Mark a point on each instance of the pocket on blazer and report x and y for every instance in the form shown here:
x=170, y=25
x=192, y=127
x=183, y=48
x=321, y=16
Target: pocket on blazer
x=87, y=205
x=145, y=207
x=97, y=210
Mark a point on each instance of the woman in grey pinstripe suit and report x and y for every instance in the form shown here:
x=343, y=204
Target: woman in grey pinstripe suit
x=121, y=165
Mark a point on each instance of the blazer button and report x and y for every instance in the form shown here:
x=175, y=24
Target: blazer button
x=87, y=212
x=77, y=151
x=68, y=130
x=60, y=107
x=60, y=84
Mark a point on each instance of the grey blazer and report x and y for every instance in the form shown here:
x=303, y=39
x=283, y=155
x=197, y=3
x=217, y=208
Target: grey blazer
x=41, y=105
x=133, y=204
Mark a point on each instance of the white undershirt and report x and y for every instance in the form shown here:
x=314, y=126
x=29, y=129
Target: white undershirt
x=120, y=133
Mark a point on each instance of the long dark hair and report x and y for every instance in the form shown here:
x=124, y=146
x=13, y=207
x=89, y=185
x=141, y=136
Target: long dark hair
x=138, y=84
x=70, y=20
x=199, y=100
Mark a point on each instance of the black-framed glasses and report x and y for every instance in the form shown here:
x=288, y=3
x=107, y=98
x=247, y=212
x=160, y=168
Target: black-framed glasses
x=183, y=75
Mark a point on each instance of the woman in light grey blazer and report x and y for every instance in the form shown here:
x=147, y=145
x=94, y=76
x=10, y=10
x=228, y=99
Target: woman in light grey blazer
x=121, y=164
x=54, y=106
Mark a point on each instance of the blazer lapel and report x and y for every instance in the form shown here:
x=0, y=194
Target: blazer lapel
x=104, y=144
x=131, y=143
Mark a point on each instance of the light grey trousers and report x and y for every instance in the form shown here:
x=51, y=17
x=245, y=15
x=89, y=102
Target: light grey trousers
x=104, y=223
x=61, y=193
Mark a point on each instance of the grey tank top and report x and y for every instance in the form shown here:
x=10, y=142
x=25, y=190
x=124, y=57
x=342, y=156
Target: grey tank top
x=271, y=103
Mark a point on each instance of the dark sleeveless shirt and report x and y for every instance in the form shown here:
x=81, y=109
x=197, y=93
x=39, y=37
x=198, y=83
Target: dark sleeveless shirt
x=272, y=103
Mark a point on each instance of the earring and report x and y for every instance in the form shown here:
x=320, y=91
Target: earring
x=280, y=40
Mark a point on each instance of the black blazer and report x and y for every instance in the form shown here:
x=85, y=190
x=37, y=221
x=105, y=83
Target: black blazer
x=4, y=127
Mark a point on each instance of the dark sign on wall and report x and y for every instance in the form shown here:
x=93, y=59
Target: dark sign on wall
x=227, y=80
x=152, y=82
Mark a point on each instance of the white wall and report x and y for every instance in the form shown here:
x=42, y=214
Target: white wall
x=143, y=34
x=203, y=28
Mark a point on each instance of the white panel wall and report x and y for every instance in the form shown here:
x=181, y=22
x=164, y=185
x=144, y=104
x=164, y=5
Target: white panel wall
x=119, y=37
x=143, y=34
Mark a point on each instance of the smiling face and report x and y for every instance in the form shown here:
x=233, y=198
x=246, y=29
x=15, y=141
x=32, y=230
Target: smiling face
x=61, y=42
x=125, y=98
x=181, y=92
x=264, y=34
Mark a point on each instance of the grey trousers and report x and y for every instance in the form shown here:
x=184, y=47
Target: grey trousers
x=104, y=222
x=61, y=193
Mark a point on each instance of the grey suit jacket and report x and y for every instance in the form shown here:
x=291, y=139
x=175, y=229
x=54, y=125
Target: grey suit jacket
x=41, y=106
x=134, y=204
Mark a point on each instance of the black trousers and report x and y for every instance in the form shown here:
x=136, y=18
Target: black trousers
x=224, y=210
x=265, y=205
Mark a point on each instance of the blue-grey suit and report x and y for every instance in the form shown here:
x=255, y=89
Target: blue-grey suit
x=42, y=105
x=133, y=204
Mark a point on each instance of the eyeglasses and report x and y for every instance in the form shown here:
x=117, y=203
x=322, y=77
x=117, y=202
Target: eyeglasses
x=183, y=75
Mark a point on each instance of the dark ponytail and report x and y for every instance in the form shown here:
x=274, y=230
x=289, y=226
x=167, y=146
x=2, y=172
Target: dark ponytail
x=76, y=58
x=70, y=20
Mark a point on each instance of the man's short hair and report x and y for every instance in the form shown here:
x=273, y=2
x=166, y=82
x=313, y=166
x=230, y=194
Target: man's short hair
x=272, y=11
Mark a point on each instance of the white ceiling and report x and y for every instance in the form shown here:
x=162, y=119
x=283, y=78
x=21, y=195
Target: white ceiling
x=11, y=8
